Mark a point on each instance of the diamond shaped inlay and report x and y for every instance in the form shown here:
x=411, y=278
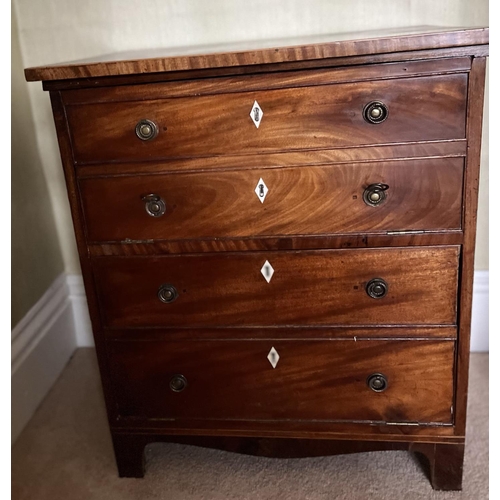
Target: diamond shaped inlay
x=267, y=271
x=261, y=190
x=273, y=357
x=256, y=114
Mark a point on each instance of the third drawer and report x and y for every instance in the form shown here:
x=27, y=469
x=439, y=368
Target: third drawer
x=383, y=286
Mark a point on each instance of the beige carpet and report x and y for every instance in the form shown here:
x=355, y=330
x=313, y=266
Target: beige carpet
x=66, y=453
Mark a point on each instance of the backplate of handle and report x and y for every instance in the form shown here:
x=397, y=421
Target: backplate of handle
x=377, y=288
x=375, y=112
x=154, y=205
x=375, y=194
x=146, y=129
x=167, y=293
x=377, y=382
x=178, y=383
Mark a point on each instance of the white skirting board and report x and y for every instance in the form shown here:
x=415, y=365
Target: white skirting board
x=480, y=340
x=42, y=343
x=44, y=340
x=83, y=328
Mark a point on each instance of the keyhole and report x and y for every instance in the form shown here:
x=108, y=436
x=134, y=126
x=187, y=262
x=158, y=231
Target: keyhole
x=256, y=114
x=261, y=190
x=268, y=273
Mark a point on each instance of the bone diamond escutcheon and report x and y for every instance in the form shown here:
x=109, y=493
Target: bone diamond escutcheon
x=273, y=357
x=261, y=190
x=256, y=114
x=267, y=271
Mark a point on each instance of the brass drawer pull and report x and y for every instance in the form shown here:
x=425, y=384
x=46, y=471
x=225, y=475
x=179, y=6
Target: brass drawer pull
x=146, y=130
x=375, y=112
x=154, y=205
x=178, y=383
x=167, y=293
x=374, y=194
x=377, y=382
x=377, y=288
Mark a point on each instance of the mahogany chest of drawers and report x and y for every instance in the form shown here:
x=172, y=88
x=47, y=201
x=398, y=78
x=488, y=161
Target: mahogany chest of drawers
x=277, y=244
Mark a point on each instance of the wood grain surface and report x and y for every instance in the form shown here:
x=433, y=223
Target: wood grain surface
x=307, y=288
x=469, y=51
x=429, y=149
x=264, y=52
x=299, y=201
x=419, y=109
x=268, y=81
x=270, y=243
x=317, y=380
x=354, y=333
x=471, y=191
x=298, y=429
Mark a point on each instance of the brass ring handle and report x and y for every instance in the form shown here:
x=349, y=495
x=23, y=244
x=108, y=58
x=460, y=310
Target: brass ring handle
x=178, y=383
x=154, y=205
x=377, y=288
x=377, y=382
x=375, y=194
x=375, y=112
x=167, y=293
x=146, y=130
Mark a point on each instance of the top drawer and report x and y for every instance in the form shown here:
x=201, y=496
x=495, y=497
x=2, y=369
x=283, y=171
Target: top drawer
x=313, y=117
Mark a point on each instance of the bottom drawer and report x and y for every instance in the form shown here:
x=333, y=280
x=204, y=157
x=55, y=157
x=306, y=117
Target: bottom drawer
x=412, y=380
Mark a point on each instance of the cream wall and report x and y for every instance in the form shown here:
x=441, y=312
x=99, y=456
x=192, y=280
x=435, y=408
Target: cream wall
x=54, y=31
x=36, y=255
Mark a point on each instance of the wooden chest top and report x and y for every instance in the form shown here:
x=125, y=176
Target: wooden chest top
x=247, y=54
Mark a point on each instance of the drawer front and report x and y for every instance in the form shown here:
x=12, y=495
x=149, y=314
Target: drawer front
x=421, y=195
x=317, y=117
x=320, y=380
x=327, y=287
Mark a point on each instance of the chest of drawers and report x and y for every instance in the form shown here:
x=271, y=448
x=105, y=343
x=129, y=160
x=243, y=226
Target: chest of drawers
x=277, y=244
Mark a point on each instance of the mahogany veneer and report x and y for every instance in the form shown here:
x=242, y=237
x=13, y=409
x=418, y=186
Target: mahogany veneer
x=325, y=287
x=317, y=380
x=300, y=287
x=315, y=117
x=307, y=201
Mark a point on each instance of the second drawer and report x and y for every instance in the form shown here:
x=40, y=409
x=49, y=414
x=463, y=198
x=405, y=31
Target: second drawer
x=385, y=286
x=374, y=197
